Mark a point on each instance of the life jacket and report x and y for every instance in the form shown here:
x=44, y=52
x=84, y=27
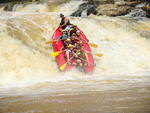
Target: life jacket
x=75, y=39
x=70, y=46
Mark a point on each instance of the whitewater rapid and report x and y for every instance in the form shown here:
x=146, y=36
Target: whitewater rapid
x=25, y=58
x=30, y=81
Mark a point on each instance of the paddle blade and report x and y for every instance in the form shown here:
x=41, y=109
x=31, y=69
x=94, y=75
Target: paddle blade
x=93, y=45
x=49, y=42
x=99, y=55
x=56, y=53
x=62, y=67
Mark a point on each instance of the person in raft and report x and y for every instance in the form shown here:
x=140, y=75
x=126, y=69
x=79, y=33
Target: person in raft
x=65, y=23
x=64, y=35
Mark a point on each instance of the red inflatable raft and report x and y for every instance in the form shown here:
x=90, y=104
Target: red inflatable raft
x=61, y=58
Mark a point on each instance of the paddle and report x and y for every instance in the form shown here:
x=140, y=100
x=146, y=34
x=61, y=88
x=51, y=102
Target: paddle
x=98, y=54
x=62, y=67
x=56, y=53
x=93, y=45
x=50, y=42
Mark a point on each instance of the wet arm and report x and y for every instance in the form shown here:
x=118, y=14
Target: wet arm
x=66, y=21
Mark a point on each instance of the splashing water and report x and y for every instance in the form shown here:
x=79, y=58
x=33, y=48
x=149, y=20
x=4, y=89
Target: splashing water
x=24, y=56
x=25, y=59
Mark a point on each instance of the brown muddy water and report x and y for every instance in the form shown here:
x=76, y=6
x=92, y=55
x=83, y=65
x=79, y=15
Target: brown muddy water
x=106, y=96
x=30, y=81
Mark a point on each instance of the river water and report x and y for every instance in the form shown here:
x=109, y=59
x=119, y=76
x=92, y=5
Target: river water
x=30, y=81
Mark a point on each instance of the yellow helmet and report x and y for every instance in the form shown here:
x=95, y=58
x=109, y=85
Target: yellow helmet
x=78, y=53
x=62, y=30
x=79, y=42
x=70, y=45
x=68, y=39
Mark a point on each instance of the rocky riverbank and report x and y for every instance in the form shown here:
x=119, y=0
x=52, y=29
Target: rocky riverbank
x=112, y=7
x=134, y=8
x=8, y=5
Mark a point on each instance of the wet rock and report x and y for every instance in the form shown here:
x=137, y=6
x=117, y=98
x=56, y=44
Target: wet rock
x=113, y=10
x=147, y=10
x=132, y=4
x=104, y=7
x=137, y=12
x=89, y=7
x=141, y=8
x=8, y=1
x=102, y=1
x=10, y=5
x=119, y=1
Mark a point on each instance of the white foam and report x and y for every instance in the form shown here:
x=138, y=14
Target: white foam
x=25, y=61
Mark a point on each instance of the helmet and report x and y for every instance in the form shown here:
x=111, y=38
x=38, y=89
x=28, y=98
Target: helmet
x=62, y=30
x=70, y=45
x=78, y=53
x=61, y=15
x=85, y=64
x=79, y=42
x=73, y=34
x=76, y=56
x=68, y=39
x=74, y=63
x=80, y=64
x=78, y=31
x=78, y=61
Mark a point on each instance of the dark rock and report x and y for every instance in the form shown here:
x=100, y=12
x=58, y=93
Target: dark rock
x=137, y=12
x=107, y=7
x=10, y=5
x=90, y=7
x=147, y=10
x=8, y=1
x=113, y=10
x=101, y=1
